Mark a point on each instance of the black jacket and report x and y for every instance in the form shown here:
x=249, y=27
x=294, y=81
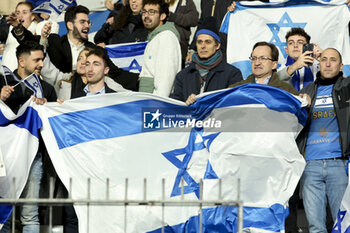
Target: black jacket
x=341, y=101
x=187, y=81
x=18, y=97
x=60, y=55
x=133, y=31
x=4, y=32
x=82, y=92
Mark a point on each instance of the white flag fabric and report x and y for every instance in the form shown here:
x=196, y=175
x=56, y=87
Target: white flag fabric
x=127, y=56
x=326, y=23
x=19, y=140
x=236, y=133
x=53, y=7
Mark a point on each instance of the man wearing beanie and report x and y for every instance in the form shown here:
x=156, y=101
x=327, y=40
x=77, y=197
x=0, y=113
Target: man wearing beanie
x=208, y=70
x=162, y=57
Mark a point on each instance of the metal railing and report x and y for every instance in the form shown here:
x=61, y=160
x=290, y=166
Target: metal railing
x=51, y=201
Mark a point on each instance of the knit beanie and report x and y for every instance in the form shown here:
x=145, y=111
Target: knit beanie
x=208, y=27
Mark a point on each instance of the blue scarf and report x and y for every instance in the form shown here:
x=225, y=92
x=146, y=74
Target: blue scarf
x=308, y=76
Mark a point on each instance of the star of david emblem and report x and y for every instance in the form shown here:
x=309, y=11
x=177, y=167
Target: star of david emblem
x=60, y=7
x=337, y=226
x=284, y=22
x=35, y=84
x=192, y=146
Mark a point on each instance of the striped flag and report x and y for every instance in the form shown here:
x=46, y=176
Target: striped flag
x=127, y=56
x=53, y=7
x=236, y=133
x=19, y=141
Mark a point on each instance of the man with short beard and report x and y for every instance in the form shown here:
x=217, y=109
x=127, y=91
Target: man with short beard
x=30, y=57
x=162, y=57
x=63, y=51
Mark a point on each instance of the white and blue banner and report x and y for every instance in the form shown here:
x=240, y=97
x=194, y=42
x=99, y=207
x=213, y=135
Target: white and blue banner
x=325, y=21
x=19, y=140
x=127, y=56
x=53, y=7
x=139, y=135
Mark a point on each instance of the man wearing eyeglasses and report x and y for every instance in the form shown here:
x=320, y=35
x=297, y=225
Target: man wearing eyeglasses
x=64, y=50
x=264, y=58
x=300, y=68
x=162, y=57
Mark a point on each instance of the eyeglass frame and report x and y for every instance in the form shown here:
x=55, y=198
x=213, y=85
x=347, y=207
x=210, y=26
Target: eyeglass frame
x=262, y=59
x=83, y=21
x=149, y=12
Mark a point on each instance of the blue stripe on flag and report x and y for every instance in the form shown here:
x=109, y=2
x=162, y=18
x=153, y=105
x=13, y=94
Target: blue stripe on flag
x=5, y=212
x=43, y=11
x=92, y=128
x=29, y=120
x=127, y=50
x=66, y=2
x=290, y=3
x=273, y=98
x=55, y=9
x=223, y=219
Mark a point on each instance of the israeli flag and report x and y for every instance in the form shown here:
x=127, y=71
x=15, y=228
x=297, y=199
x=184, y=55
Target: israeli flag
x=53, y=7
x=33, y=83
x=19, y=140
x=342, y=224
x=7, y=71
x=236, y=133
x=325, y=21
x=127, y=56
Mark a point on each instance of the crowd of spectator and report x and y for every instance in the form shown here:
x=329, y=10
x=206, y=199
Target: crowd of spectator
x=175, y=67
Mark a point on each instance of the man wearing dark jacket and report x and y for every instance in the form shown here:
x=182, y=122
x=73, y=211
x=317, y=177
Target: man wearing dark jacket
x=325, y=141
x=264, y=59
x=63, y=51
x=30, y=57
x=208, y=71
x=96, y=70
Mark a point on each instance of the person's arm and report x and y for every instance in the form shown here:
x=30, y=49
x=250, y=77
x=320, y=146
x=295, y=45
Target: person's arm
x=236, y=76
x=114, y=85
x=4, y=31
x=177, y=92
x=103, y=35
x=51, y=74
x=187, y=17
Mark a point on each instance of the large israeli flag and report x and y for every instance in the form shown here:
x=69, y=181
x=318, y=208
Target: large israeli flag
x=236, y=133
x=19, y=140
x=325, y=21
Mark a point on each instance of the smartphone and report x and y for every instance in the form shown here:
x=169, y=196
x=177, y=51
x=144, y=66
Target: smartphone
x=308, y=47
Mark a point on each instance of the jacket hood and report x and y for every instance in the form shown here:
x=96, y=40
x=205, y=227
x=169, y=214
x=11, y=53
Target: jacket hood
x=167, y=26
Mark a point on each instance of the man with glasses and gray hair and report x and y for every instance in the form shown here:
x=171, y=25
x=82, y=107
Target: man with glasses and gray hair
x=264, y=58
x=162, y=57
